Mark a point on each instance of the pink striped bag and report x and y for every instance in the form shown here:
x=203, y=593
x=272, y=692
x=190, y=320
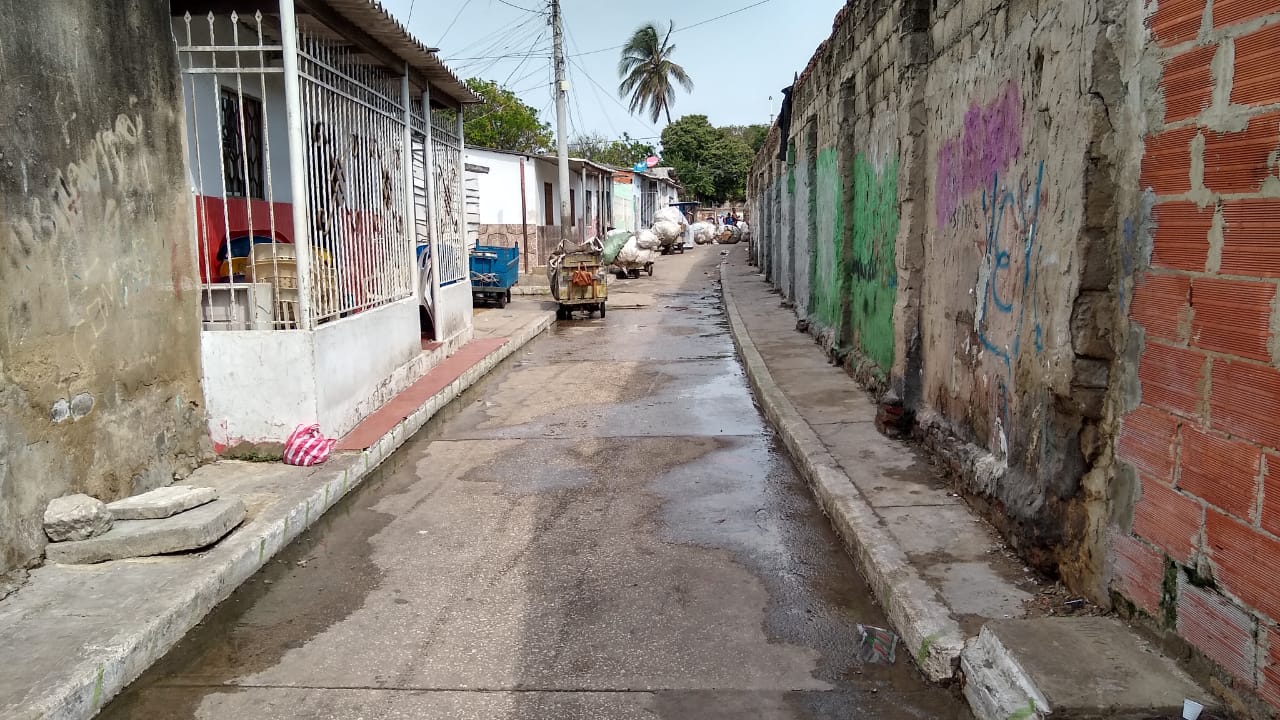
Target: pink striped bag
x=306, y=446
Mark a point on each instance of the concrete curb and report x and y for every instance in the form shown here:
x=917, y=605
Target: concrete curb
x=105, y=671
x=996, y=685
x=926, y=626
x=531, y=290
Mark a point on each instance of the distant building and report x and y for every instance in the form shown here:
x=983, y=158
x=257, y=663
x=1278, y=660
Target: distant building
x=519, y=201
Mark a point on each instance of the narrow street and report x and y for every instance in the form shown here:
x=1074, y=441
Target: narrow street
x=604, y=528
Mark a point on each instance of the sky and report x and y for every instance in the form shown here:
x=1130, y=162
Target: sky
x=736, y=62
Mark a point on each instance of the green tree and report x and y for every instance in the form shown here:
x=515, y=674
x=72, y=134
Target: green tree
x=504, y=122
x=648, y=73
x=712, y=163
x=753, y=135
x=617, y=153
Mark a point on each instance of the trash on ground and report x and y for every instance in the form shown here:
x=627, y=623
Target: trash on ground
x=876, y=645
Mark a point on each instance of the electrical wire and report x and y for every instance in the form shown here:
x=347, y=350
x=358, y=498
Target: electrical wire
x=525, y=59
x=615, y=100
x=486, y=45
x=682, y=29
x=524, y=37
x=510, y=4
x=570, y=65
x=453, y=22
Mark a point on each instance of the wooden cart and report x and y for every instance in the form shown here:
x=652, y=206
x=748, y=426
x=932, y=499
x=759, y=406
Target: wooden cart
x=581, y=285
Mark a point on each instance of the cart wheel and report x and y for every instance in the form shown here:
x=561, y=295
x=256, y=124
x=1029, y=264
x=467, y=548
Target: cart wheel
x=633, y=274
x=602, y=310
x=508, y=295
x=649, y=269
x=502, y=301
x=621, y=274
x=561, y=314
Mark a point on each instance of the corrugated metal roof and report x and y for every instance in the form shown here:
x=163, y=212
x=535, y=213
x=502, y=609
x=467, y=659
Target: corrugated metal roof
x=373, y=18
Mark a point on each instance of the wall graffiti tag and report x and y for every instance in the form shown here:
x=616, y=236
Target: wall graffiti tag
x=991, y=141
x=977, y=189
x=1012, y=216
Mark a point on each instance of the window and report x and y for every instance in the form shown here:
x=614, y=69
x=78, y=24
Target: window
x=242, y=162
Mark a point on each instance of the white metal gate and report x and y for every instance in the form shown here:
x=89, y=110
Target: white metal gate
x=353, y=120
x=446, y=158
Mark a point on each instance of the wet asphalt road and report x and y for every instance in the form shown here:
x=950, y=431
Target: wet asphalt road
x=604, y=528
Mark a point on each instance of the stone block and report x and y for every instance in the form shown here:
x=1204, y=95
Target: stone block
x=161, y=503
x=191, y=530
x=76, y=517
x=1078, y=667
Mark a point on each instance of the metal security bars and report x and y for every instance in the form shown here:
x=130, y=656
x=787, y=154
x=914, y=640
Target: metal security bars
x=231, y=80
x=353, y=121
x=303, y=223
x=446, y=155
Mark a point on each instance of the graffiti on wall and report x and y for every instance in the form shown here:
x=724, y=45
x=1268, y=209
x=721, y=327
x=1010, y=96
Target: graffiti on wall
x=990, y=141
x=874, y=284
x=1011, y=212
x=829, y=281
x=979, y=188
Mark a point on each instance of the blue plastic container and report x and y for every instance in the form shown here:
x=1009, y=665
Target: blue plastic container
x=495, y=268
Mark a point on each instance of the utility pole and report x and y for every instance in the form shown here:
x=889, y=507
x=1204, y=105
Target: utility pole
x=562, y=128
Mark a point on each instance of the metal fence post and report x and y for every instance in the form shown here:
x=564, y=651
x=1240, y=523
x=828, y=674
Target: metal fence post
x=297, y=161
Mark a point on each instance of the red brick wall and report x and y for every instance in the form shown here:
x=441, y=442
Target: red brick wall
x=1203, y=554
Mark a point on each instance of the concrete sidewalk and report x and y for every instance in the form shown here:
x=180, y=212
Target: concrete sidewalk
x=75, y=636
x=949, y=585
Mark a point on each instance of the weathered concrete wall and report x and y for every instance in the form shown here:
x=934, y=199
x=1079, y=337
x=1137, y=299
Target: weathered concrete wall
x=1017, y=333
x=99, y=334
x=1196, y=550
x=947, y=190
x=833, y=249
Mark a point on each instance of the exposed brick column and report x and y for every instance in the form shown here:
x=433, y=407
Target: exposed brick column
x=1204, y=439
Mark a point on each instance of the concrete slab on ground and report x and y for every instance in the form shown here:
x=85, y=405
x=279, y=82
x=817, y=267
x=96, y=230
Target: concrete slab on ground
x=196, y=528
x=1084, y=668
x=161, y=503
x=75, y=636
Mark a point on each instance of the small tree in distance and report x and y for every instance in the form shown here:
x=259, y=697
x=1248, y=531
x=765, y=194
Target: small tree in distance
x=616, y=153
x=504, y=122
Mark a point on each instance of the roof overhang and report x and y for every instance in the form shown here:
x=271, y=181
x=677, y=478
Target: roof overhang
x=367, y=24
x=371, y=18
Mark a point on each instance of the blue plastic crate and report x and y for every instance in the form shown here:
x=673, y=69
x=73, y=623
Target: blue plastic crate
x=495, y=267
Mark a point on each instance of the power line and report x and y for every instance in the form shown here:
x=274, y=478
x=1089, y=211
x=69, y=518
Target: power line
x=526, y=57
x=611, y=97
x=451, y=22
x=487, y=44
x=509, y=4
x=594, y=91
x=523, y=35
x=682, y=29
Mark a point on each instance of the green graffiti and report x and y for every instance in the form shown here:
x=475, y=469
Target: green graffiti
x=874, y=283
x=829, y=283
x=791, y=167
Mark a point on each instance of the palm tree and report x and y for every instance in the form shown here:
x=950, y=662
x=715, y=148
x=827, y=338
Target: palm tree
x=647, y=72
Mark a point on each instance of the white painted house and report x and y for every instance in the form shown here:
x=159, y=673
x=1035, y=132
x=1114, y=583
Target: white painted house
x=637, y=196
x=325, y=157
x=519, y=200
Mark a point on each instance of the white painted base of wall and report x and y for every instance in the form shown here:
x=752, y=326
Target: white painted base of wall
x=260, y=385
x=453, y=309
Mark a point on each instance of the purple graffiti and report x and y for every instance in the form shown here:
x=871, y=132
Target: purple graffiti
x=991, y=140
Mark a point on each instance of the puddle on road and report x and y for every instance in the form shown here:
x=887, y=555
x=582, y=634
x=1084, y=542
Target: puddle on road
x=747, y=498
